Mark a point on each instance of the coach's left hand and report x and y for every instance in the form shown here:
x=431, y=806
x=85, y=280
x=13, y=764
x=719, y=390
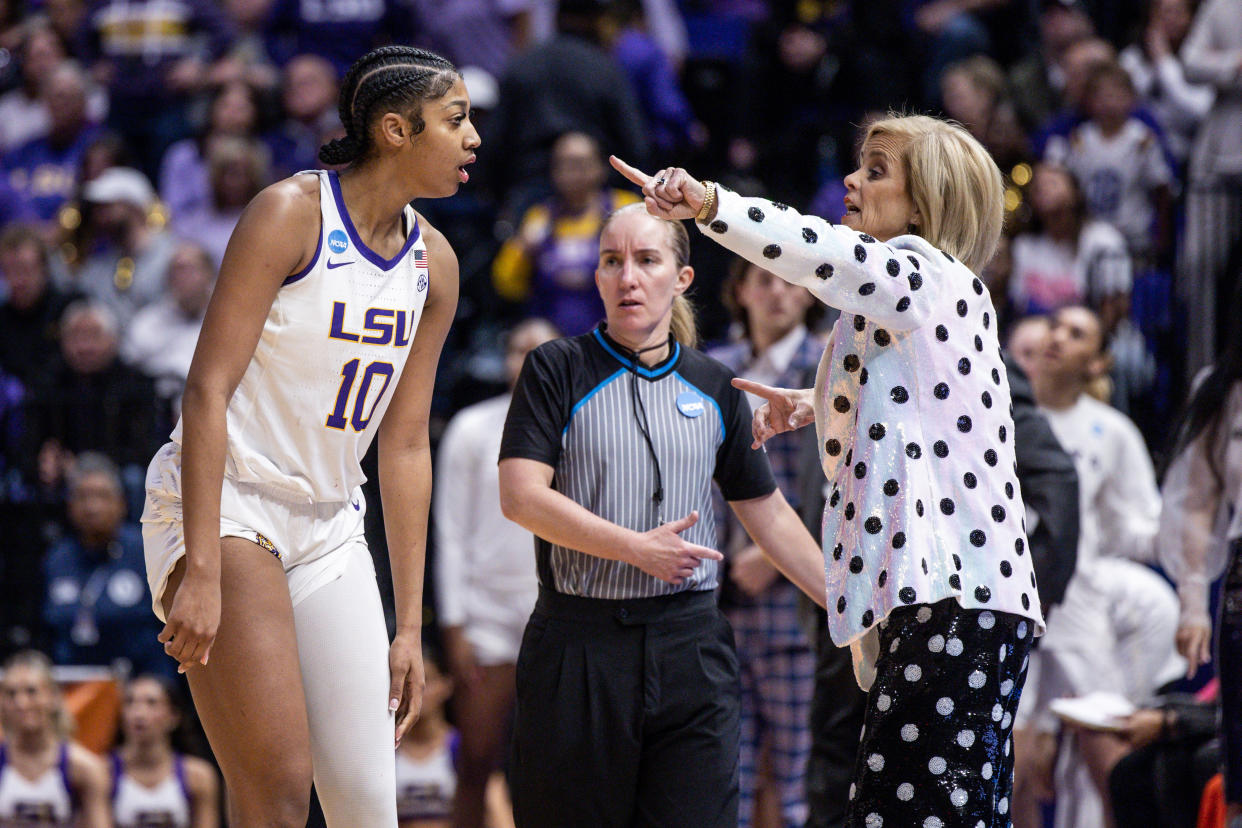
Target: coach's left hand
x=407, y=679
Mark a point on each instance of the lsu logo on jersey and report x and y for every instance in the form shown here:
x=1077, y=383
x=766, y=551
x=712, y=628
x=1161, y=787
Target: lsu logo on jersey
x=338, y=242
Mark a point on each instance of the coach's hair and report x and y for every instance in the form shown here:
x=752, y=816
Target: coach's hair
x=953, y=182
x=381, y=81
x=683, y=325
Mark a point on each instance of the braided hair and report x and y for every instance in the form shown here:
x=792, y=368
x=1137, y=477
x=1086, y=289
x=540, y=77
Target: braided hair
x=383, y=80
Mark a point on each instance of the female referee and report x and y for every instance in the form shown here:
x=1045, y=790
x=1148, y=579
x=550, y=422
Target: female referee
x=928, y=577
x=253, y=521
x=627, y=680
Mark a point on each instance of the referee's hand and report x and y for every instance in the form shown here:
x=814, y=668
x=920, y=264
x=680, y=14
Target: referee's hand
x=663, y=554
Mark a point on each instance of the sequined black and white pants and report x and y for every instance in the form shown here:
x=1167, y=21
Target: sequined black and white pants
x=936, y=749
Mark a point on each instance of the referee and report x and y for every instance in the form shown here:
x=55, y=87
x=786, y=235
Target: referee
x=627, y=679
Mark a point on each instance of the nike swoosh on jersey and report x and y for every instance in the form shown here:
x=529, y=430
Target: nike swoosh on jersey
x=332, y=265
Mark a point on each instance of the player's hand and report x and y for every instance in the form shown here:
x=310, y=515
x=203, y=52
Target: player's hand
x=751, y=570
x=1194, y=642
x=663, y=554
x=193, y=621
x=406, y=681
x=786, y=409
x=459, y=654
x=672, y=193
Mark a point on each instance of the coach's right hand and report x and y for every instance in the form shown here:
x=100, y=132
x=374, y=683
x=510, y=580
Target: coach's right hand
x=192, y=620
x=786, y=409
x=662, y=553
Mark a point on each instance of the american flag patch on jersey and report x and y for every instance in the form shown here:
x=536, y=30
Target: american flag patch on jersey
x=420, y=258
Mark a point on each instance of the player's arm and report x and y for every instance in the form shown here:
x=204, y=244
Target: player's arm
x=92, y=784
x=204, y=787
x=405, y=477
x=276, y=235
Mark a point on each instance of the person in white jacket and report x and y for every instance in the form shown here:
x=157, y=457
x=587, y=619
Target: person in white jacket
x=929, y=580
x=485, y=579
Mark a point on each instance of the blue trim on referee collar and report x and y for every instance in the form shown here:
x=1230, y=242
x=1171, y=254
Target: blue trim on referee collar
x=587, y=396
x=645, y=373
x=709, y=398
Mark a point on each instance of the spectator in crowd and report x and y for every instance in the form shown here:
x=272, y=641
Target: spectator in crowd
x=1076, y=64
x=567, y=83
x=46, y=169
x=1172, y=754
x=484, y=34
x=485, y=579
x=775, y=657
x=1119, y=160
x=1113, y=632
x=1202, y=532
x=153, y=782
x=161, y=338
x=1212, y=54
x=549, y=263
x=185, y=181
x=154, y=57
x=237, y=169
x=89, y=400
x=97, y=597
x=1065, y=257
x=24, y=110
x=339, y=32
x=308, y=92
x=45, y=779
x=975, y=93
x=427, y=759
x=950, y=31
x=670, y=121
x=1159, y=75
x=66, y=18
x=127, y=264
x=1038, y=80
x=31, y=312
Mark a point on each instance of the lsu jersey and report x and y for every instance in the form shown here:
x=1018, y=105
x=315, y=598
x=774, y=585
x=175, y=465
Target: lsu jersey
x=330, y=356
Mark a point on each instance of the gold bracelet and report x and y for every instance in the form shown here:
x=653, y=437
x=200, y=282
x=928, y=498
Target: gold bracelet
x=709, y=202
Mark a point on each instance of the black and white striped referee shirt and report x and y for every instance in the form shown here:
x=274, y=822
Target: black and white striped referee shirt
x=574, y=408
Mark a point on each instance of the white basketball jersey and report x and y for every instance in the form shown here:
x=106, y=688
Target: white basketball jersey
x=425, y=788
x=329, y=359
x=44, y=802
x=167, y=805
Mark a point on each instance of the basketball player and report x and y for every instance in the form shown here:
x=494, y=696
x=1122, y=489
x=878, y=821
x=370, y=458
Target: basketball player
x=253, y=524
x=44, y=778
x=153, y=784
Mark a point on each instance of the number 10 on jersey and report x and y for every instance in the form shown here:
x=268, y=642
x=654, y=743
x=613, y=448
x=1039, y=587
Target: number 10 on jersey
x=361, y=415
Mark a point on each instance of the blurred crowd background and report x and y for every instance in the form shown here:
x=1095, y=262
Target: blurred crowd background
x=133, y=133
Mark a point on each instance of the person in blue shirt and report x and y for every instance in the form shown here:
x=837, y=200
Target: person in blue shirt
x=97, y=596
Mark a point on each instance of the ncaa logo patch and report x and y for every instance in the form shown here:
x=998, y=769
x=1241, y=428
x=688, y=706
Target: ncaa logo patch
x=690, y=404
x=338, y=242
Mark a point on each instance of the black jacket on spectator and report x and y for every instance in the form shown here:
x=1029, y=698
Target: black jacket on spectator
x=29, y=338
x=113, y=411
x=566, y=83
x=1049, y=488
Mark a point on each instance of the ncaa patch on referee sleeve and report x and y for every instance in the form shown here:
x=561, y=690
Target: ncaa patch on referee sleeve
x=690, y=404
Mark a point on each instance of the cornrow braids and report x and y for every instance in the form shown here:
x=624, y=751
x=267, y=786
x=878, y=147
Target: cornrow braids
x=386, y=79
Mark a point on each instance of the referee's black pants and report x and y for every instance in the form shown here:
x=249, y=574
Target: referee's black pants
x=626, y=714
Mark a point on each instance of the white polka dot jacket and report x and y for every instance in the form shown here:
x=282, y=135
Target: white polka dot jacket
x=912, y=410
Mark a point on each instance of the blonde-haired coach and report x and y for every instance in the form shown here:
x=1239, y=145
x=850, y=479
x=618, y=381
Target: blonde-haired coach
x=929, y=580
